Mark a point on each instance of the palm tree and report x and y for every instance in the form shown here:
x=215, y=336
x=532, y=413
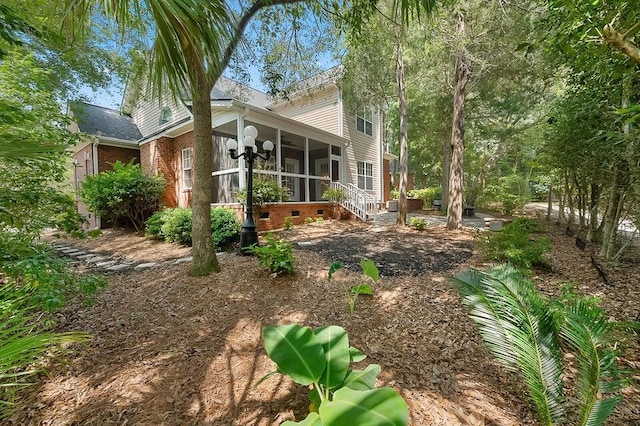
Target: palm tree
x=194, y=42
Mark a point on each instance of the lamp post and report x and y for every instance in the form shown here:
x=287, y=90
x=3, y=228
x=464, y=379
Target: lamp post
x=249, y=234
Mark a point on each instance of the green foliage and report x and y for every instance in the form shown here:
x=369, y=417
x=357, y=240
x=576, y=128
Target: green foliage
x=225, y=227
x=523, y=330
x=174, y=225
x=419, y=223
x=275, y=255
x=321, y=359
x=177, y=226
x=371, y=276
x=512, y=193
x=23, y=342
x=308, y=220
x=288, y=223
x=394, y=193
x=265, y=190
x=319, y=219
x=123, y=195
x=47, y=277
x=515, y=244
x=334, y=195
x=426, y=194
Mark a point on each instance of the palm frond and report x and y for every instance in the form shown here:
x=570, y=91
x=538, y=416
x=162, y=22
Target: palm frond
x=585, y=328
x=520, y=331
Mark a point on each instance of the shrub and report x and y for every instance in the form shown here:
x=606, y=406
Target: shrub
x=308, y=220
x=515, y=244
x=426, y=194
x=419, y=223
x=225, y=227
x=124, y=195
x=153, y=225
x=265, y=190
x=334, y=195
x=177, y=226
x=275, y=255
x=288, y=223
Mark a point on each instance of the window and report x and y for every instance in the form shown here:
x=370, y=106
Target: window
x=364, y=121
x=186, y=168
x=165, y=115
x=365, y=176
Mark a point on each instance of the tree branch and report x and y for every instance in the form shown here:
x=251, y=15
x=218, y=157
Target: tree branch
x=241, y=27
x=618, y=40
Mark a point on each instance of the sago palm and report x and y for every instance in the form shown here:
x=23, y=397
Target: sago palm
x=524, y=331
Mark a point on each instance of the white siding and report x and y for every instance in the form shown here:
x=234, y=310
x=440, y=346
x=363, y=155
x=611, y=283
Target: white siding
x=319, y=110
x=146, y=113
x=363, y=148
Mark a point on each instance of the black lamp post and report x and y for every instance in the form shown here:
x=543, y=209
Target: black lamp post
x=249, y=235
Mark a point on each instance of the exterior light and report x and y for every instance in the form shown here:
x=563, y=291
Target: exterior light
x=249, y=234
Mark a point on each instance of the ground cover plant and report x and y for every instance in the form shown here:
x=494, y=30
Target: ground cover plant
x=339, y=395
x=276, y=255
x=371, y=276
x=419, y=223
x=517, y=243
x=528, y=333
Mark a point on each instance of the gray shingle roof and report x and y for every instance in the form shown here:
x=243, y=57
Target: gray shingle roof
x=105, y=122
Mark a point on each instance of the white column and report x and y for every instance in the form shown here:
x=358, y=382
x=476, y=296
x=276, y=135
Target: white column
x=241, y=168
x=306, y=168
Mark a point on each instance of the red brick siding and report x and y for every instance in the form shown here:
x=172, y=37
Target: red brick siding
x=156, y=157
x=386, y=179
x=107, y=155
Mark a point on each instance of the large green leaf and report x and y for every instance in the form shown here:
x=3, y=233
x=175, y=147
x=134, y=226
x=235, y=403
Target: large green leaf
x=362, y=289
x=369, y=268
x=335, y=343
x=313, y=419
x=356, y=354
x=335, y=266
x=383, y=406
x=363, y=379
x=296, y=351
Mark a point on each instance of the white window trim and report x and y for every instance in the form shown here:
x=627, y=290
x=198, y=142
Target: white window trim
x=367, y=176
x=184, y=169
x=366, y=115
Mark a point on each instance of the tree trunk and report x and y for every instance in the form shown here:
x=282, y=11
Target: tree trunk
x=204, y=255
x=454, y=212
x=446, y=169
x=549, y=203
x=592, y=235
x=610, y=223
x=404, y=146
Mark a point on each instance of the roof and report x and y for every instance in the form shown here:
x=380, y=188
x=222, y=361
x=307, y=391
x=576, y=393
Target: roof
x=312, y=84
x=104, y=122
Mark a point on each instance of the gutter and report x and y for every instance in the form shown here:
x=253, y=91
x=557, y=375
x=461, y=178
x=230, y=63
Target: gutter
x=95, y=172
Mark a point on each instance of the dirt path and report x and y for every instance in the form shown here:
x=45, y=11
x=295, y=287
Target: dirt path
x=170, y=349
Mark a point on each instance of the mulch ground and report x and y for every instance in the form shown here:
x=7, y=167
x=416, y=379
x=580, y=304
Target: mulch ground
x=169, y=349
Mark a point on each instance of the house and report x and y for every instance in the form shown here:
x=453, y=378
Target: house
x=318, y=142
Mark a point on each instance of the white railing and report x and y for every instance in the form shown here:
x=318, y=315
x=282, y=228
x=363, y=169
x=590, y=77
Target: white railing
x=358, y=201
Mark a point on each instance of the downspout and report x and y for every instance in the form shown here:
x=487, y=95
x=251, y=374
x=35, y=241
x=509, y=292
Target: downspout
x=380, y=159
x=95, y=172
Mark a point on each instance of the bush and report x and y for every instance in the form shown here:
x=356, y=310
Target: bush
x=265, y=190
x=288, y=223
x=334, y=195
x=124, y=195
x=177, y=226
x=225, y=227
x=515, y=244
x=275, y=255
x=419, y=223
x=426, y=194
x=174, y=225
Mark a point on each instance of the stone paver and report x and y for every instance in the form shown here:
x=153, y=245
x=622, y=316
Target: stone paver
x=86, y=256
x=68, y=250
x=77, y=254
x=119, y=267
x=96, y=259
x=106, y=264
x=184, y=259
x=145, y=266
x=305, y=243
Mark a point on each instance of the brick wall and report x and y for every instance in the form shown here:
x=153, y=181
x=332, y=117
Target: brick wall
x=386, y=179
x=157, y=157
x=107, y=155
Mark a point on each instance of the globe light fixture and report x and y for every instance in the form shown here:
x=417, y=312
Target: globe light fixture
x=249, y=234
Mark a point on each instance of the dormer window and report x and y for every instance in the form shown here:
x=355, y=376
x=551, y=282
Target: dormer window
x=364, y=121
x=165, y=115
